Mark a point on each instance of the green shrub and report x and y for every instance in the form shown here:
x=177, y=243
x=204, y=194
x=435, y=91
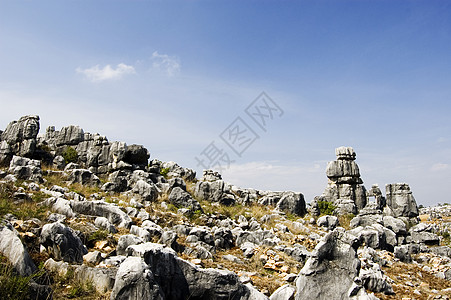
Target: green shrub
x=70, y=155
x=164, y=171
x=326, y=207
x=12, y=286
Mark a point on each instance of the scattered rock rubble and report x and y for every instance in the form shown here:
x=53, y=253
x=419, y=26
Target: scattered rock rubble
x=138, y=229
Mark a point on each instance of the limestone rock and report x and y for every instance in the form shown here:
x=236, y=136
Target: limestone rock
x=135, y=281
x=334, y=262
x=25, y=168
x=400, y=200
x=103, y=209
x=19, y=138
x=62, y=243
x=181, y=198
x=11, y=246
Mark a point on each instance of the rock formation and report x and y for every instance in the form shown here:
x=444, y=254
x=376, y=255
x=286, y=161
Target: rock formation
x=346, y=192
x=114, y=221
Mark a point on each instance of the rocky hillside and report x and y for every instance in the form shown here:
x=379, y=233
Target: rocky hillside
x=83, y=217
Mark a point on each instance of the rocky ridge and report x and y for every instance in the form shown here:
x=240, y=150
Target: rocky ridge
x=88, y=218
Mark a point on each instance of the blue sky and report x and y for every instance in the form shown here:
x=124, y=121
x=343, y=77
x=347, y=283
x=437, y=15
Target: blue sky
x=173, y=75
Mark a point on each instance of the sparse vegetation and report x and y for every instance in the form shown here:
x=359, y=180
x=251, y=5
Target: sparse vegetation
x=70, y=155
x=12, y=285
x=326, y=207
x=164, y=172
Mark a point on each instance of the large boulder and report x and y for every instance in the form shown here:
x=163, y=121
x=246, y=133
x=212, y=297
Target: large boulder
x=180, y=279
x=11, y=246
x=181, y=198
x=103, y=209
x=70, y=135
x=292, y=203
x=25, y=168
x=400, y=200
x=62, y=243
x=146, y=192
x=136, y=155
x=135, y=281
x=331, y=271
x=83, y=177
x=19, y=138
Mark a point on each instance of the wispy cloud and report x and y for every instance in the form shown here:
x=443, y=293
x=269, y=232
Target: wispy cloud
x=168, y=64
x=439, y=167
x=97, y=74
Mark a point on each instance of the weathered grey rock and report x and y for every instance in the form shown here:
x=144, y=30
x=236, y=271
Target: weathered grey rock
x=223, y=238
x=103, y=209
x=62, y=243
x=335, y=262
x=366, y=220
x=177, y=182
x=93, y=257
x=169, y=238
x=400, y=200
x=125, y=241
x=60, y=206
x=19, y=138
x=103, y=223
x=293, y=203
x=145, y=191
x=136, y=155
x=424, y=237
x=84, y=177
x=135, y=280
x=255, y=237
x=200, y=234
x=395, y=224
x=70, y=135
x=285, y=292
x=12, y=248
x=25, y=168
x=102, y=279
x=181, y=198
x=444, y=251
x=179, y=279
x=59, y=162
x=177, y=171
x=330, y=222
x=374, y=280
x=118, y=182
x=403, y=254
x=210, y=175
x=216, y=191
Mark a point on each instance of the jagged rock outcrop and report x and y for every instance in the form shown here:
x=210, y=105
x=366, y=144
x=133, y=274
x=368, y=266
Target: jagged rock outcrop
x=135, y=280
x=62, y=243
x=346, y=192
x=400, y=200
x=335, y=262
x=11, y=246
x=19, y=138
x=344, y=189
x=26, y=168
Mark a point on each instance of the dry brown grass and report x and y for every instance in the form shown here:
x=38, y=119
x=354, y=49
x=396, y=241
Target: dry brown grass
x=410, y=277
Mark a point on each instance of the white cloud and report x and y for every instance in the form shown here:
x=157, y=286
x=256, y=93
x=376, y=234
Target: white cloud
x=439, y=167
x=168, y=64
x=96, y=74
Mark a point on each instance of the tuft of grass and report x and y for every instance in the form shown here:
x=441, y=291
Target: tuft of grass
x=70, y=155
x=345, y=220
x=22, y=210
x=164, y=172
x=326, y=207
x=12, y=285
